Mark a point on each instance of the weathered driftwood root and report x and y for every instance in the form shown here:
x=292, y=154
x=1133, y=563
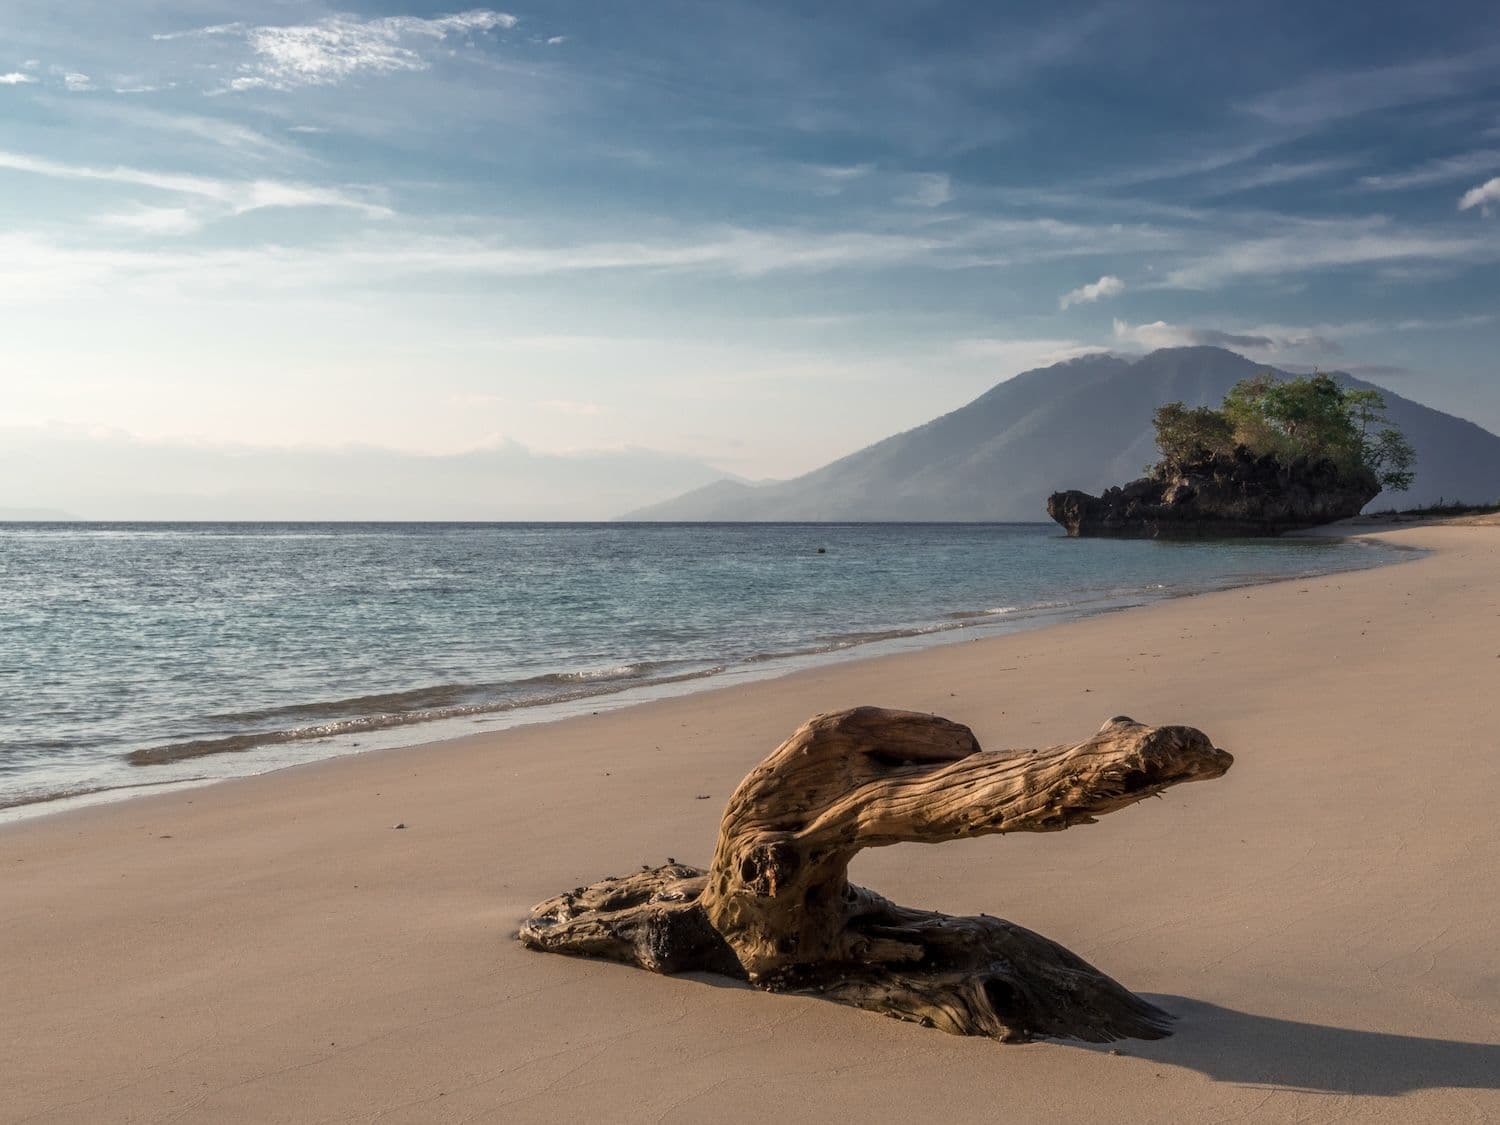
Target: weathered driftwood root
x=776, y=907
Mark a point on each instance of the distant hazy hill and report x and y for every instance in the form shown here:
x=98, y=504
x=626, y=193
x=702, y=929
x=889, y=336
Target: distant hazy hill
x=34, y=515
x=1082, y=424
x=116, y=477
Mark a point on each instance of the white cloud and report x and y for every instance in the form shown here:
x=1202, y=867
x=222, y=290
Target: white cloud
x=15, y=78
x=154, y=220
x=76, y=82
x=306, y=129
x=1437, y=171
x=236, y=197
x=1481, y=196
x=928, y=189
x=556, y=40
x=1160, y=334
x=278, y=193
x=164, y=181
x=340, y=46
x=1106, y=286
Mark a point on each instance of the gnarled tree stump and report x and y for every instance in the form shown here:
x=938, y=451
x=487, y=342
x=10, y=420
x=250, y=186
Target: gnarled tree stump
x=776, y=906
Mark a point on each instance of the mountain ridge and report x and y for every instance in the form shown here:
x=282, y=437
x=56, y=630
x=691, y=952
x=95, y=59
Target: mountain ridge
x=1084, y=423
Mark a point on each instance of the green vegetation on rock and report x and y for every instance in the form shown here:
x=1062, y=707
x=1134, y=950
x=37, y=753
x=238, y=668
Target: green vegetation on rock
x=1310, y=418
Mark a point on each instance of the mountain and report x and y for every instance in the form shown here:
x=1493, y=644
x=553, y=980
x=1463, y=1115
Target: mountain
x=1084, y=424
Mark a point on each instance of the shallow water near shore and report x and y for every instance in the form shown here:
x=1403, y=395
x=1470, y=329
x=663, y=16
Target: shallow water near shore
x=133, y=655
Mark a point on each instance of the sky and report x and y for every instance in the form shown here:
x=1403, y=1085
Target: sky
x=728, y=237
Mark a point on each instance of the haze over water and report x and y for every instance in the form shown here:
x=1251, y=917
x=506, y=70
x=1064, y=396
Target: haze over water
x=138, y=653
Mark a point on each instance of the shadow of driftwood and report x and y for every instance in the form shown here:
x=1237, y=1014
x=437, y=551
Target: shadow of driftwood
x=1231, y=1046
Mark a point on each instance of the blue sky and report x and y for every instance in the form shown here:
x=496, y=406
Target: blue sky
x=753, y=235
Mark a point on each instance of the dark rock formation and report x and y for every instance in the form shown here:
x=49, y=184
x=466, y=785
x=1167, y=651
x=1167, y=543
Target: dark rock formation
x=1219, y=496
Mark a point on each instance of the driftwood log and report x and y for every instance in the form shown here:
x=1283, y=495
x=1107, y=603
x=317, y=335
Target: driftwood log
x=776, y=907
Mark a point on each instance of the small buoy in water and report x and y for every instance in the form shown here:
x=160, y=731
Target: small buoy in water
x=822, y=550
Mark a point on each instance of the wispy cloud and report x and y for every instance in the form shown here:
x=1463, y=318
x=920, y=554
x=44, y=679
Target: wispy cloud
x=831, y=179
x=1182, y=167
x=1303, y=246
x=1481, y=196
x=1106, y=286
x=1278, y=172
x=235, y=197
x=154, y=220
x=340, y=46
x=218, y=131
x=75, y=82
x=1331, y=97
x=928, y=189
x=357, y=263
x=16, y=78
x=1439, y=171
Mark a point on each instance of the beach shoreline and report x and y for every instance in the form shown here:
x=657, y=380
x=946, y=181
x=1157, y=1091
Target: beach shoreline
x=273, y=948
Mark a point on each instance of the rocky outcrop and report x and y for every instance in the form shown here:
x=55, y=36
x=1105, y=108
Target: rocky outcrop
x=1219, y=496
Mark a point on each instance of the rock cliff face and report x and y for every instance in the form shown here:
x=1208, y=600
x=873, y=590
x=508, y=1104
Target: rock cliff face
x=1219, y=496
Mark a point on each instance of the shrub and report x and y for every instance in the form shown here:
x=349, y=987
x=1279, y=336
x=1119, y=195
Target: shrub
x=1310, y=417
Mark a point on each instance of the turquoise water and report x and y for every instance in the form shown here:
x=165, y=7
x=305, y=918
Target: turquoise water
x=138, y=653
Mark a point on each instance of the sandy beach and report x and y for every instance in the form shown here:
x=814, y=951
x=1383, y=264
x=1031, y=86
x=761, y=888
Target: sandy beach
x=1323, y=920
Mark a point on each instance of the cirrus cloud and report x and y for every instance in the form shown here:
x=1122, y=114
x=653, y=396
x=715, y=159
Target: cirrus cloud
x=1436, y=171
x=220, y=196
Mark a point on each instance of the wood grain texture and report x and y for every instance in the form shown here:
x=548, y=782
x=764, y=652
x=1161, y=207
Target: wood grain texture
x=776, y=907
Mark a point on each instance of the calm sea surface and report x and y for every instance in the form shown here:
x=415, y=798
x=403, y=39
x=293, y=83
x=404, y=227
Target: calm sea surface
x=136, y=654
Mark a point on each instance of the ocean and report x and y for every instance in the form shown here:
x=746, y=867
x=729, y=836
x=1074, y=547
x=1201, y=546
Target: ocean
x=137, y=655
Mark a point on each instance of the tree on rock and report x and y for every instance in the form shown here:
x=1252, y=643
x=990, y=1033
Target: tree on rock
x=1307, y=419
